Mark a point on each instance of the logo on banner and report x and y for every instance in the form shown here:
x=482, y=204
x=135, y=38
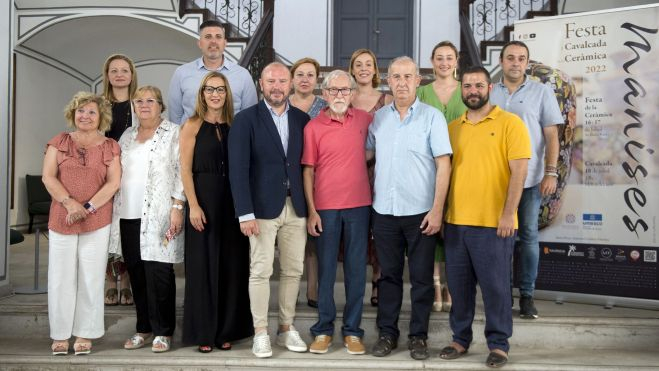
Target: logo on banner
x=572, y=251
x=621, y=256
x=634, y=255
x=606, y=254
x=549, y=250
x=592, y=220
x=650, y=256
x=570, y=218
x=525, y=36
x=592, y=253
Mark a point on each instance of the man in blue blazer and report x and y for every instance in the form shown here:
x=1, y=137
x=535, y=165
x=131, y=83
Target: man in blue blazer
x=265, y=148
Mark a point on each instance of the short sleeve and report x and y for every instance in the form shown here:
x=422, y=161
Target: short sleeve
x=64, y=145
x=439, y=139
x=111, y=150
x=370, y=138
x=518, y=139
x=310, y=151
x=551, y=112
x=62, y=142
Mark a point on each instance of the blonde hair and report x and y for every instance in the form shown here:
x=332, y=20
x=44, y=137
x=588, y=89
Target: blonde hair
x=376, y=76
x=107, y=87
x=153, y=90
x=83, y=98
x=201, y=108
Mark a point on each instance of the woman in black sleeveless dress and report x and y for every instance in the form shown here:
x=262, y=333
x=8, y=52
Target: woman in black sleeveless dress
x=216, y=309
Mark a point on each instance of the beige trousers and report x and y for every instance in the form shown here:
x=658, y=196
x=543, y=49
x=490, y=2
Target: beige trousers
x=290, y=233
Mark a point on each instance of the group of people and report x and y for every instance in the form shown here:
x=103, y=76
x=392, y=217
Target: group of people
x=357, y=176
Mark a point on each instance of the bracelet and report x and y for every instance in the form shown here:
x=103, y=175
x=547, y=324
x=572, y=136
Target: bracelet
x=178, y=207
x=551, y=173
x=90, y=207
x=551, y=168
x=65, y=199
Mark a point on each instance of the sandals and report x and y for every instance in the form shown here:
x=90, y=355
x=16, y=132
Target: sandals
x=225, y=346
x=137, y=341
x=374, y=293
x=82, y=348
x=126, y=297
x=205, y=349
x=111, y=297
x=437, y=305
x=60, y=347
x=496, y=360
x=451, y=352
x=161, y=344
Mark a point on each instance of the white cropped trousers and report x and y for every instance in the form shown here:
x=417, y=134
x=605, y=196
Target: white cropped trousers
x=76, y=277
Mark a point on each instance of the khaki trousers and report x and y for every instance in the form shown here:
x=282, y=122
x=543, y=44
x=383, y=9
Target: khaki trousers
x=290, y=233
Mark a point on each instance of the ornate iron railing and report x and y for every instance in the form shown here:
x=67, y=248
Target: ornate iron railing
x=259, y=52
x=243, y=16
x=469, y=55
x=489, y=18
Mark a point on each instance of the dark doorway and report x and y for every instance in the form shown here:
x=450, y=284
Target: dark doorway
x=384, y=26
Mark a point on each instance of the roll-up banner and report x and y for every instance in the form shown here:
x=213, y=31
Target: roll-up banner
x=599, y=232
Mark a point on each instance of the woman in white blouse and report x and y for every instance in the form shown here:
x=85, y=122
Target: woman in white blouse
x=147, y=219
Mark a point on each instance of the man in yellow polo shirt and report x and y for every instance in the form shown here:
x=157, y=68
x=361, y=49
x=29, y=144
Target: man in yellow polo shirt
x=491, y=149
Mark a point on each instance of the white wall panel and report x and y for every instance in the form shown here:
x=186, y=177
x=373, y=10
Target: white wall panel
x=41, y=94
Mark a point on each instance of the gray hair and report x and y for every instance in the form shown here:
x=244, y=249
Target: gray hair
x=333, y=75
x=402, y=59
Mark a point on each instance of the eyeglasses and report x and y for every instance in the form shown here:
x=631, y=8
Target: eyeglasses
x=335, y=91
x=211, y=89
x=145, y=102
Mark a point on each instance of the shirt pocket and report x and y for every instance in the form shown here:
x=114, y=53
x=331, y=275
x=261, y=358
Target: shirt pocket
x=418, y=144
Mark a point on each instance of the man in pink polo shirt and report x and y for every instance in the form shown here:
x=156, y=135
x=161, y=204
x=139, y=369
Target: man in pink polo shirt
x=338, y=197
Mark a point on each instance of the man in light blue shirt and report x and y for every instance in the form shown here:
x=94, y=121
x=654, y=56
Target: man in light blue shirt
x=184, y=86
x=537, y=106
x=411, y=146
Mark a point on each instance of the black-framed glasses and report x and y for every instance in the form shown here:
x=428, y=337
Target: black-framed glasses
x=211, y=89
x=335, y=91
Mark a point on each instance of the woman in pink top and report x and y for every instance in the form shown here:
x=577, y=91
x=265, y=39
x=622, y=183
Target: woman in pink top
x=81, y=171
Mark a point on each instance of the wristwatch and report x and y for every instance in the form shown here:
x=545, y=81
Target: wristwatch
x=178, y=207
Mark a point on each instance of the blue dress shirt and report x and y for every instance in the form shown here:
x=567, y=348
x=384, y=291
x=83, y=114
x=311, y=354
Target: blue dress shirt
x=405, y=154
x=185, y=82
x=537, y=106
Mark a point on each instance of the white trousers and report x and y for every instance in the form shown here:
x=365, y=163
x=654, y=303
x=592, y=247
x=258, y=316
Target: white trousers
x=76, y=277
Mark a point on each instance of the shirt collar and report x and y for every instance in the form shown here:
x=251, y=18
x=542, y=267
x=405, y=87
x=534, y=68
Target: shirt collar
x=227, y=64
x=502, y=85
x=413, y=107
x=325, y=118
x=494, y=113
x=272, y=112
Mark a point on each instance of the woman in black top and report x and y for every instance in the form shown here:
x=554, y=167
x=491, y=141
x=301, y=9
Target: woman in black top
x=119, y=85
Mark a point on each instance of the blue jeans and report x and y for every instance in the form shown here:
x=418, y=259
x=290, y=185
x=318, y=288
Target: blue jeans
x=353, y=225
x=528, y=247
x=476, y=255
x=393, y=235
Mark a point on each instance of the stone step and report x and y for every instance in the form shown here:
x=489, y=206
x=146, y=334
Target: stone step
x=34, y=354
x=565, y=337
x=559, y=326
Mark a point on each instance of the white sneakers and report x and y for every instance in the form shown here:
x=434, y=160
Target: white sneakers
x=261, y=346
x=290, y=339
